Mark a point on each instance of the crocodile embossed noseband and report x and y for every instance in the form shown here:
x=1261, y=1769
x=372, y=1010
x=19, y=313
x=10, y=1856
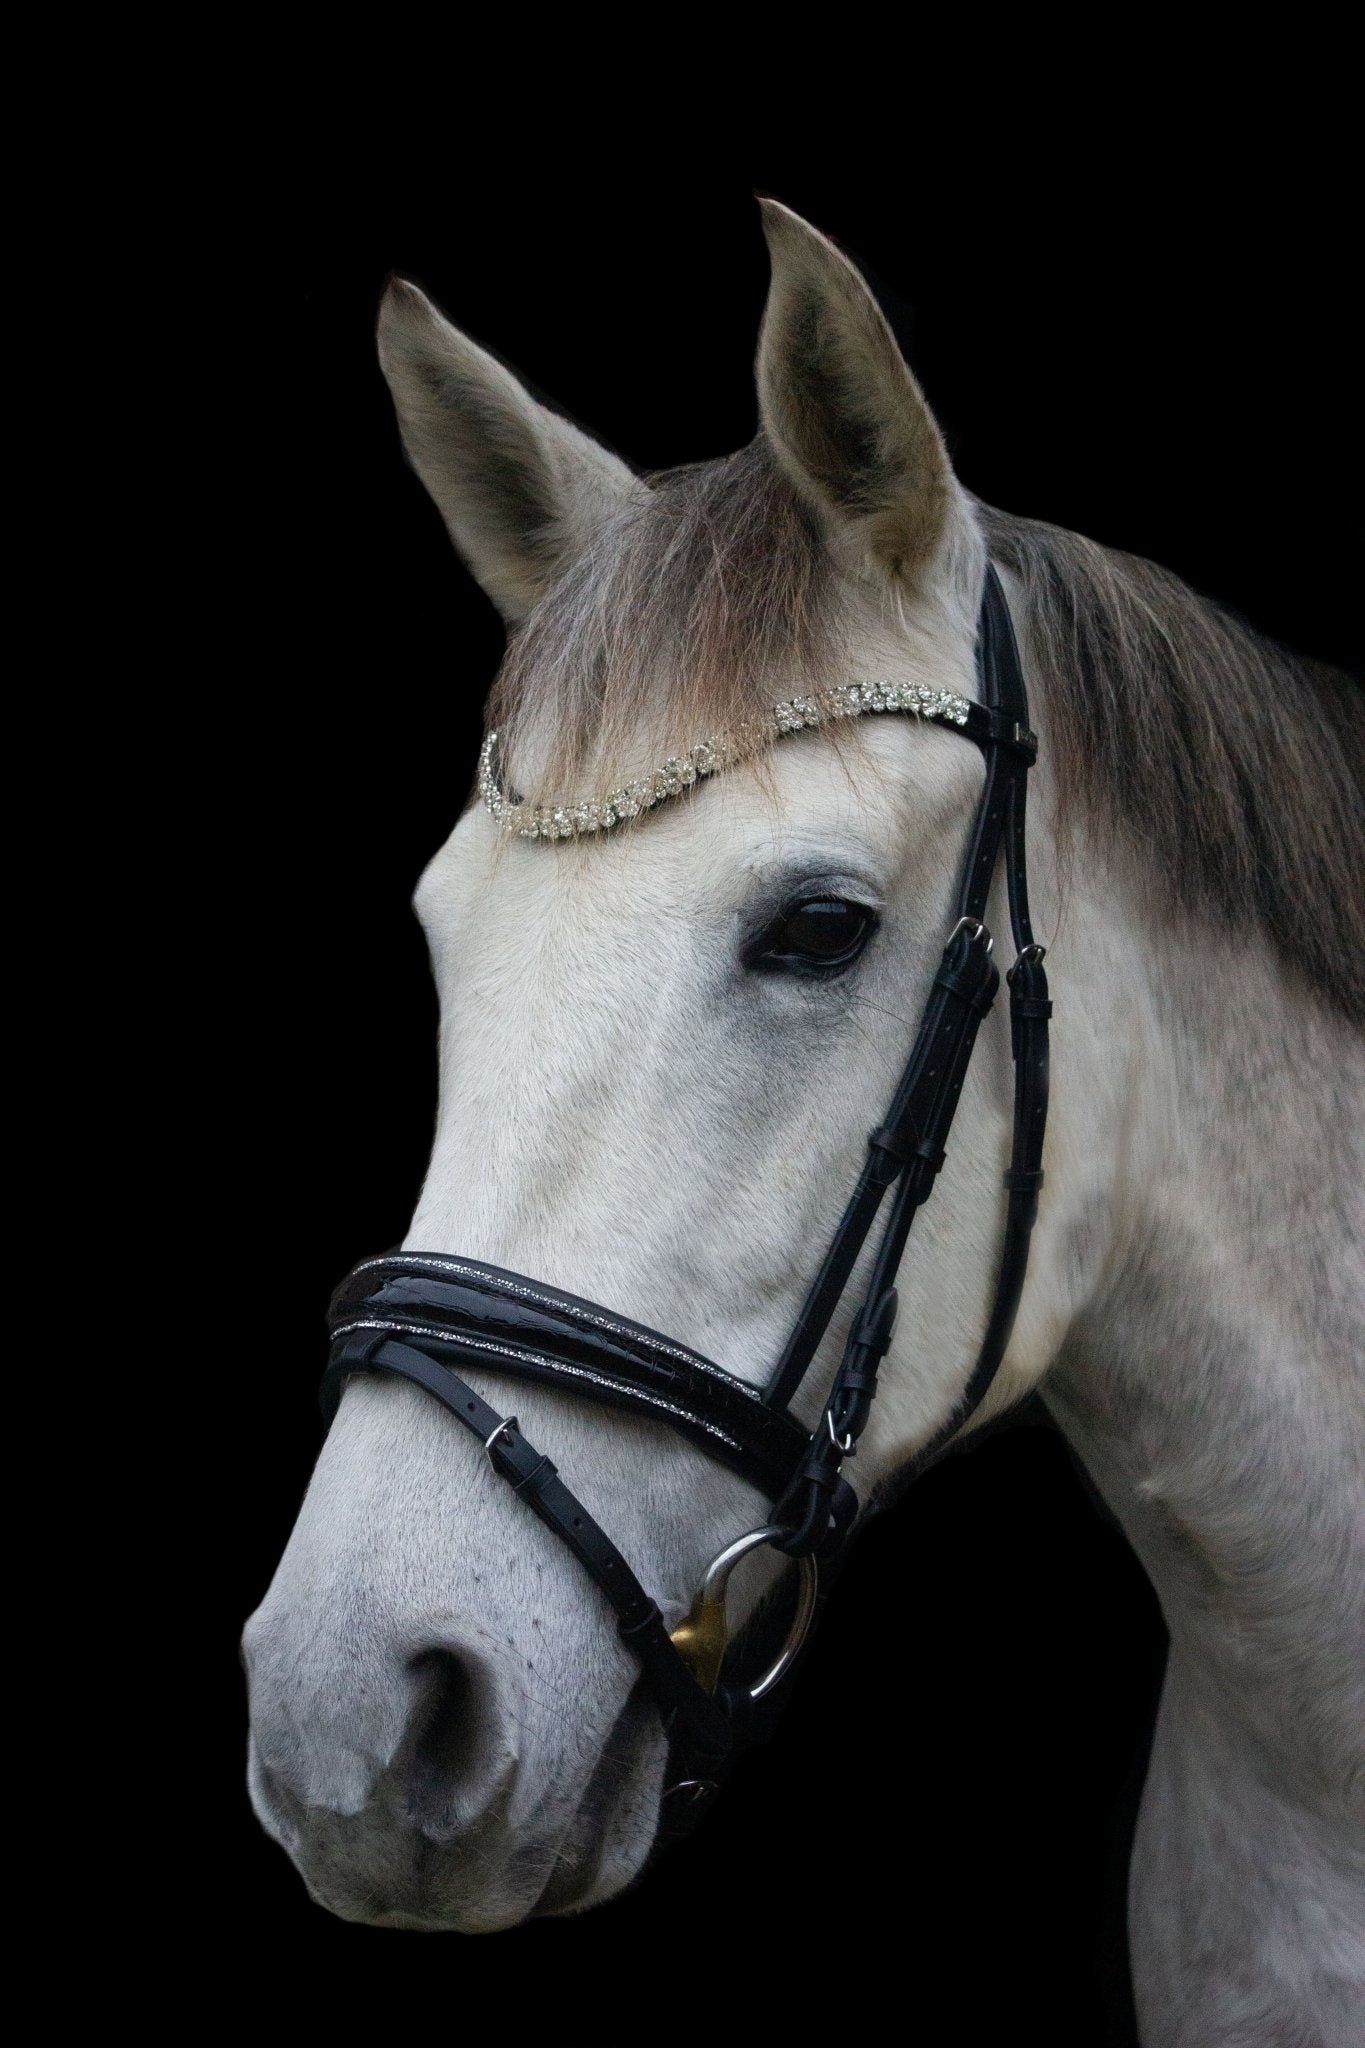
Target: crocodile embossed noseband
x=422, y=1315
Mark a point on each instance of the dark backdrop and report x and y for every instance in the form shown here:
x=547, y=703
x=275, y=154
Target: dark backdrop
x=1155, y=354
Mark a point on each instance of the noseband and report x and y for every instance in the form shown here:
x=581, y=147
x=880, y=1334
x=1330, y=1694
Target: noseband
x=420, y=1315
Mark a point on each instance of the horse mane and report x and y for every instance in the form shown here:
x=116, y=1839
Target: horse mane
x=1232, y=770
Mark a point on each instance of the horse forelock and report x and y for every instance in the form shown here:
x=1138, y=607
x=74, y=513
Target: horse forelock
x=703, y=602
x=1229, y=768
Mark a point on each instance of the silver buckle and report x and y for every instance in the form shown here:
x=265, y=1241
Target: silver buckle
x=975, y=927
x=508, y=1423
x=846, y=1447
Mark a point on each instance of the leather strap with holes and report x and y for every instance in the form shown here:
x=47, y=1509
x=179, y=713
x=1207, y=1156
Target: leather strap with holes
x=535, y=1480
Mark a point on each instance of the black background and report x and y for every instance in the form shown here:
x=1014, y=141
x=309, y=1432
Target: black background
x=1140, y=335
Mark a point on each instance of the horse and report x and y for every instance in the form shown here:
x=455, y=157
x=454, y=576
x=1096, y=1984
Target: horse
x=666, y=1026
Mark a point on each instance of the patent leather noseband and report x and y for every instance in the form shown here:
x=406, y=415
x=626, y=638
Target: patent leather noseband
x=424, y=1316
x=486, y=1316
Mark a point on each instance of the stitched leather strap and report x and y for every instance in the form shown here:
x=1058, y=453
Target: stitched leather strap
x=534, y=1479
x=811, y=1508
x=947, y=1030
x=1029, y=1014
x=1030, y=1009
x=909, y=1145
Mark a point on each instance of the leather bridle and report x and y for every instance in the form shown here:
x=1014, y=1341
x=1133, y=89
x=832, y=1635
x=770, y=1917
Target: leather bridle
x=419, y=1315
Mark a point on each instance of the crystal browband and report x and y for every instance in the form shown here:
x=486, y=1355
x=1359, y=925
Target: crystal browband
x=722, y=750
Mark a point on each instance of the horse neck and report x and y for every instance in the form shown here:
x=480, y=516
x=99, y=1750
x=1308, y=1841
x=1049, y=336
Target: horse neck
x=1208, y=1377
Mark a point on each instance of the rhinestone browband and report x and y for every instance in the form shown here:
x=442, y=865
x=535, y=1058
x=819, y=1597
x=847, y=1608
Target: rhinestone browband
x=723, y=750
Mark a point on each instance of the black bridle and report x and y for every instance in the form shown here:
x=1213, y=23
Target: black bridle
x=418, y=1315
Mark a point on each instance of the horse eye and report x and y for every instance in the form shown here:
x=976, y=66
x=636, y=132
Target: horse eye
x=819, y=937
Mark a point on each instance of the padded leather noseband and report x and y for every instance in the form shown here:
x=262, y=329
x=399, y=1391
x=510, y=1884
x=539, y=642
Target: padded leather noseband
x=466, y=1313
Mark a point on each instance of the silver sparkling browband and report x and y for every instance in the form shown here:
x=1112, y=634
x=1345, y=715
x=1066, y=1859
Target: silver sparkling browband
x=723, y=750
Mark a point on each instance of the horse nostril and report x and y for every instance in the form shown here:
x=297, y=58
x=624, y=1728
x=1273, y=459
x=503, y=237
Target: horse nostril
x=444, y=1738
x=444, y=1714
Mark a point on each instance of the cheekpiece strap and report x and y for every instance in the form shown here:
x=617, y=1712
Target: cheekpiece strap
x=908, y=1150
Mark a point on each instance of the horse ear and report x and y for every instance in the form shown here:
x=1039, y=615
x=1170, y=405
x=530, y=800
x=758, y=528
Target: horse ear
x=845, y=417
x=521, y=490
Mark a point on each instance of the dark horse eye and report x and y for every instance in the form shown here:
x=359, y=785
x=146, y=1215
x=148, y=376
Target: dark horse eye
x=818, y=937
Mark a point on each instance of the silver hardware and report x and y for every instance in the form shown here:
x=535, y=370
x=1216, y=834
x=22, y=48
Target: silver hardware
x=848, y=1448
x=701, y=1638
x=1034, y=952
x=975, y=927
x=508, y=1423
x=700, y=1788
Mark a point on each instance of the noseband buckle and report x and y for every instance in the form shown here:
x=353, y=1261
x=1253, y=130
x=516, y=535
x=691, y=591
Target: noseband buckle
x=504, y=1428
